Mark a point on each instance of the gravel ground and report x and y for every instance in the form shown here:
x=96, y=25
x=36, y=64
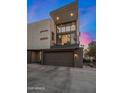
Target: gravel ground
x=55, y=79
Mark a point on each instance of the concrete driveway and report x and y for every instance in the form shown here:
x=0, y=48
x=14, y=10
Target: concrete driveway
x=53, y=79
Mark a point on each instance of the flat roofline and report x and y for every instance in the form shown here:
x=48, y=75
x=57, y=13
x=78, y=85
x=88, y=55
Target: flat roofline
x=39, y=21
x=62, y=7
x=64, y=12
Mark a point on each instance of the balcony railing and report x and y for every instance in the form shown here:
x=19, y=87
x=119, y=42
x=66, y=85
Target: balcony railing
x=65, y=46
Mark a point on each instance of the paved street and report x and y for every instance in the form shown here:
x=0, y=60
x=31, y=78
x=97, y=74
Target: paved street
x=53, y=79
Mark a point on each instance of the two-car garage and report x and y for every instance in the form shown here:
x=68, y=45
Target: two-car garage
x=59, y=58
x=56, y=57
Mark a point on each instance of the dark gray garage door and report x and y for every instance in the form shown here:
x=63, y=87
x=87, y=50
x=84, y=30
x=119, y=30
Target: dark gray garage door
x=59, y=59
x=28, y=56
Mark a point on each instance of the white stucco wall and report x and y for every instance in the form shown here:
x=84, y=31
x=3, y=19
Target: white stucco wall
x=34, y=35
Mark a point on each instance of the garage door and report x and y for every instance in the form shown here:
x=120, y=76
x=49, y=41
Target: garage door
x=28, y=57
x=59, y=59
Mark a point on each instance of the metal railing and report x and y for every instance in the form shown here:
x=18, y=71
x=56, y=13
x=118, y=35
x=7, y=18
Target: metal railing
x=65, y=46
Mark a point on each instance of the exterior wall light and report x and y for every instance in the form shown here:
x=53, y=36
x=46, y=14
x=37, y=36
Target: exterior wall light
x=57, y=18
x=75, y=55
x=71, y=14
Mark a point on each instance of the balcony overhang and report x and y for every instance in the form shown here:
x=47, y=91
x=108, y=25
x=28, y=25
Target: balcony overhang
x=65, y=14
x=71, y=46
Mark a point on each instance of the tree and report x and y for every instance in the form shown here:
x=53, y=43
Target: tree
x=92, y=50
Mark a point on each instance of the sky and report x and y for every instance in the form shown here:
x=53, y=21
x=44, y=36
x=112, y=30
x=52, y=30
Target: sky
x=40, y=9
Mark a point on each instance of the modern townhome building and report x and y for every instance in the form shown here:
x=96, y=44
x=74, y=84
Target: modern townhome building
x=55, y=41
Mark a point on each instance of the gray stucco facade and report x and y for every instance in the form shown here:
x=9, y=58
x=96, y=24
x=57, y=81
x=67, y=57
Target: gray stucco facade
x=39, y=34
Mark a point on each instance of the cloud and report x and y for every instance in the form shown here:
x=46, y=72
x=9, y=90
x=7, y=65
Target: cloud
x=87, y=9
x=34, y=8
x=88, y=20
x=85, y=38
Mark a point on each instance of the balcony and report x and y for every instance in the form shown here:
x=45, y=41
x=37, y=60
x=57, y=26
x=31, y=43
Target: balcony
x=65, y=46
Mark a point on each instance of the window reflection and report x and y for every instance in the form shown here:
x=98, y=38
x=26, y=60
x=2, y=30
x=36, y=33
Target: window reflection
x=73, y=27
x=66, y=38
x=73, y=41
x=63, y=28
x=68, y=28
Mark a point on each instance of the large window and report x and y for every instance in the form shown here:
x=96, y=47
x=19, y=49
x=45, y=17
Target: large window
x=73, y=38
x=73, y=27
x=66, y=39
x=63, y=28
x=68, y=27
x=69, y=37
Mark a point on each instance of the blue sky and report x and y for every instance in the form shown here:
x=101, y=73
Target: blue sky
x=40, y=9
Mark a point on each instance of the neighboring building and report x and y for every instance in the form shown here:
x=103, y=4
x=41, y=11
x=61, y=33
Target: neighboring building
x=40, y=34
x=56, y=41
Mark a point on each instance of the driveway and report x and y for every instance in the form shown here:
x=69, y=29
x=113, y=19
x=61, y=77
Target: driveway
x=54, y=79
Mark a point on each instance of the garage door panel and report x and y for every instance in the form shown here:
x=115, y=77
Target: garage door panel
x=59, y=58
